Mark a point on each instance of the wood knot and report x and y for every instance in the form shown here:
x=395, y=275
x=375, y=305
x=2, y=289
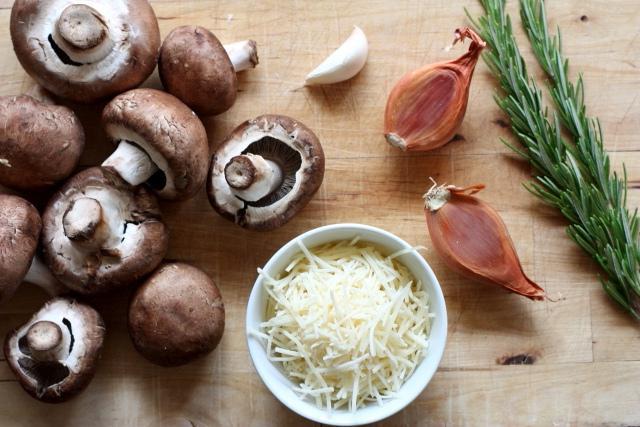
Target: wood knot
x=502, y=123
x=518, y=359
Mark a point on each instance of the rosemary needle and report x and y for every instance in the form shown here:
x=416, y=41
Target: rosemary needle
x=573, y=174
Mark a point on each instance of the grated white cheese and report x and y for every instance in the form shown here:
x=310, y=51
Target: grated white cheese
x=347, y=324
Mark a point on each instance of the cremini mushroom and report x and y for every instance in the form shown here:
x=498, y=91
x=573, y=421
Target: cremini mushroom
x=54, y=354
x=176, y=316
x=265, y=172
x=85, y=50
x=100, y=233
x=20, y=227
x=195, y=67
x=40, y=143
x=159, y=141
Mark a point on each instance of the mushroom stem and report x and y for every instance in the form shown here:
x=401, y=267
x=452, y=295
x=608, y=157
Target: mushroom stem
x=44, y=339
x=40, y=276
x=252, y=177
x=243, y=54
x=132, y=164
x=82, y=220
x=82, y=33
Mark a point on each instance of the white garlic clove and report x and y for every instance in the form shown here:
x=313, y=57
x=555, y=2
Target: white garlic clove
x=344, y=63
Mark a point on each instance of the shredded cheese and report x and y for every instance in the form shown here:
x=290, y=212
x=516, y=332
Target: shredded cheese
x=347, y=324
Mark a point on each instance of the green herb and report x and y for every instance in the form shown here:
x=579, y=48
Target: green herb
x=573, y=174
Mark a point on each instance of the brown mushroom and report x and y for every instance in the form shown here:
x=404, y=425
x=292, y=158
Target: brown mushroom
x=195, y=67
x=100, y=233
x=20, y=227
x=40, y=143
x=85, y=52
x=160, y=141
x=54, y=354
x=176, y=316
x=266, y=171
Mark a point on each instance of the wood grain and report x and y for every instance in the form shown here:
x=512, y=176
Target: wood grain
x=585, y=351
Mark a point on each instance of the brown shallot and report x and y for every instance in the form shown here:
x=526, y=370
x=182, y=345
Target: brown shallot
x=471, y=239
x=426, y=107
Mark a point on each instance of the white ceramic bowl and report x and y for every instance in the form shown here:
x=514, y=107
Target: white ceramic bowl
x=271, y=373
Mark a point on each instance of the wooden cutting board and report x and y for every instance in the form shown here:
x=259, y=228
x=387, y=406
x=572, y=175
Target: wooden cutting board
x=583, y=352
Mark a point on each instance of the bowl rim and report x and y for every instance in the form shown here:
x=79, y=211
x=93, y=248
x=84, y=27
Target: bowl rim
x=436, y=351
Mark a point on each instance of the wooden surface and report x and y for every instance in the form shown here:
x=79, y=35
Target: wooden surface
x=585, y=351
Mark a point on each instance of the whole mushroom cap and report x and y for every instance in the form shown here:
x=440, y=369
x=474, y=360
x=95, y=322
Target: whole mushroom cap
x=168, y=131
x=195, y=67
x=40, y=143
x=124, y=241
x=20, y=226
x=85, y=51
x=176, y=316
x=66, y=368
x=285, y=142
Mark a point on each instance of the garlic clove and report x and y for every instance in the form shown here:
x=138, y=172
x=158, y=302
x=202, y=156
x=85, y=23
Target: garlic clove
x=344, y=63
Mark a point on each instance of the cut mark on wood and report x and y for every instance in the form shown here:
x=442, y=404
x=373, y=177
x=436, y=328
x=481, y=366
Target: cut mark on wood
x=633, y=183
x=518, y=359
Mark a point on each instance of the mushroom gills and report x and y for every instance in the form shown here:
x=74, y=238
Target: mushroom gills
x=288, y=160
x=44, y=347
x=53, y=355
x=45, y=373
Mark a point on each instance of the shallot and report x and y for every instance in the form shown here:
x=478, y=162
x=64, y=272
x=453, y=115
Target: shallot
x=472, y=239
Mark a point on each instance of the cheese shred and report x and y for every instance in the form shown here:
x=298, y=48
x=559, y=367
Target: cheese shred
x=347, y=324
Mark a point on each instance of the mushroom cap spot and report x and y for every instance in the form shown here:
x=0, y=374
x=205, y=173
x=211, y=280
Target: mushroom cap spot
x=33, y=137
x=308, y=178
x=195, y=67
x=136, y=238
x=43, y=335
x=171, y=134
x=20, y=226
x=176, y=316
x=83, y=335
x=132, y=27
x=81, y=26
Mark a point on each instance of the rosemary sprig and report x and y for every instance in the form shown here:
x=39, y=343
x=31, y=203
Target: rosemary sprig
x=573, y=175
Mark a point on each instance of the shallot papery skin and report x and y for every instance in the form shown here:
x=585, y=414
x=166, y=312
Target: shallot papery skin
x=472, y=239
x=426, y=107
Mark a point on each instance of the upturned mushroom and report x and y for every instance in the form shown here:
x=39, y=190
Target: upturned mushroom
x=54, y=354
x=195, y=67
x=100, y=233
x=176, y=316
x=20, y=227
x=266, y=171
x=159, y=140
x=34, y=136
x=86, y=50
